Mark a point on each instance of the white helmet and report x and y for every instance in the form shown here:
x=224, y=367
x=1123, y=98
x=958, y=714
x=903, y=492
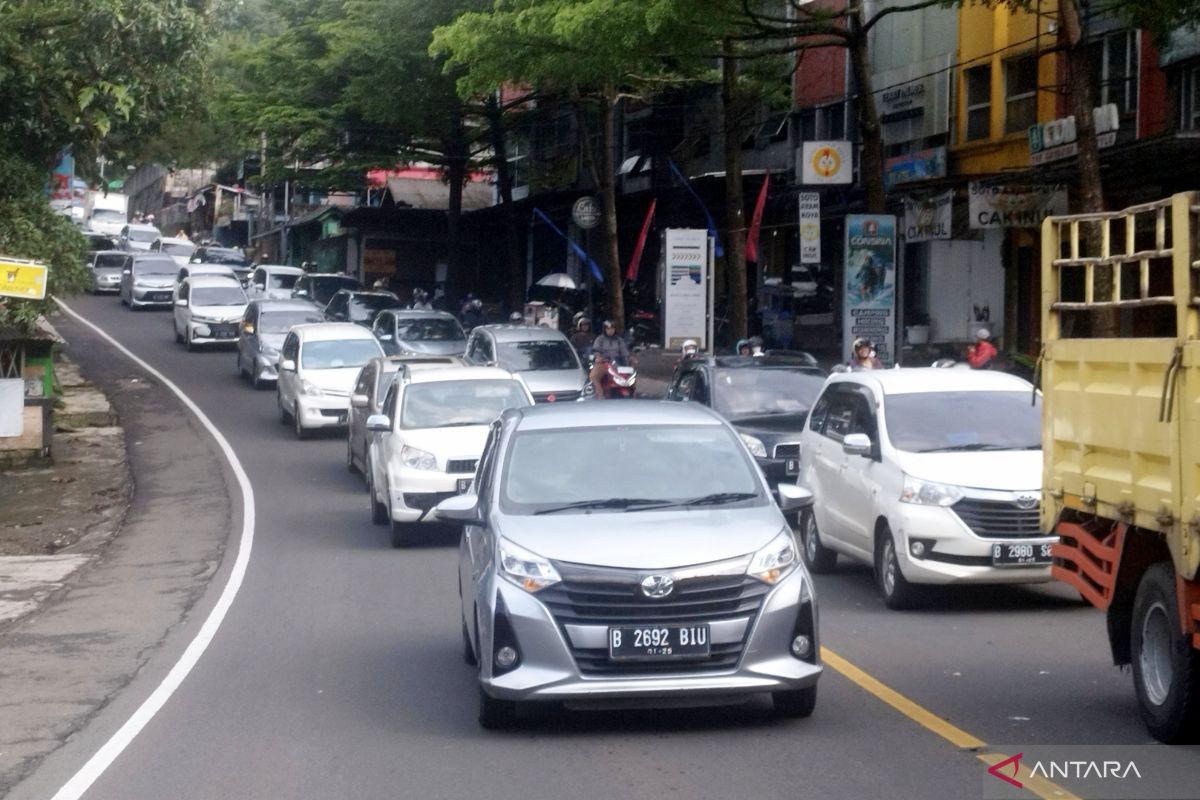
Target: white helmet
x=983, y=333
x=690, y=347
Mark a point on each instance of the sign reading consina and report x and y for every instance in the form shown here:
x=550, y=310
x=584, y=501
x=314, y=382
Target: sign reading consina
x=1014, y=206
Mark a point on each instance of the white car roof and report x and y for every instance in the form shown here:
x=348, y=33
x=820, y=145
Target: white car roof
x=137, y=226
x=926, y=380
x=198, y=281
x=209, y=269
x=461, y=374
x=281, y=269
x=176, y=240
x=327, y=331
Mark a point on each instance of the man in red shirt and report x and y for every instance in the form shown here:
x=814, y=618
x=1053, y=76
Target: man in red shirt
x=981, y=354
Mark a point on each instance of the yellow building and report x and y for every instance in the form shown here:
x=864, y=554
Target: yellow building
x=1005, y=83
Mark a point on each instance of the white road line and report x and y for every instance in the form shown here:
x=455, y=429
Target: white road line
x=82, y=780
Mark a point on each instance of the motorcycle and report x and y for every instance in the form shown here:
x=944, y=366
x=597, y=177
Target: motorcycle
x=644, y=329
x=617, y=382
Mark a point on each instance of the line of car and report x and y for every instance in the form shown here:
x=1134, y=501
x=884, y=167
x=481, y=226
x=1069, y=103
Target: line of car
x=699, y=591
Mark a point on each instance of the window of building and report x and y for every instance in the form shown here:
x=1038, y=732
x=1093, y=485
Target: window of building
x=1020, y=93
x=823, y=123
x=978, y=82
x=1189, y=99
x=1116, y=59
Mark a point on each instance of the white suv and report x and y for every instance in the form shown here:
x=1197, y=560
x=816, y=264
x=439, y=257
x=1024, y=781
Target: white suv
x=428, y=438
x=932, y=476
x=208, y=310
x=318, y=365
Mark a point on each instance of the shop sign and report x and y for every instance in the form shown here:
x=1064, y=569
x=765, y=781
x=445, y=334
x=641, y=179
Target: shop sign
x=869, y=294
x=929, y=218
x=919, y=166
x=685, y=297
x=23, y=279
x=827, y=163
x=810, y=227
x=1013, y=205
x=1057, y=139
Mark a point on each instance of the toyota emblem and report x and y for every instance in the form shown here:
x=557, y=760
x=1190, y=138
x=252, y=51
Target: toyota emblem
x=657, y=586
x=1027, y=501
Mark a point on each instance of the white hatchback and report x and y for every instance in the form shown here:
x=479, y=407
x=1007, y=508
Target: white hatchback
x=318, y=365
x=932, y=476
x=428, y=438
x=208, y=310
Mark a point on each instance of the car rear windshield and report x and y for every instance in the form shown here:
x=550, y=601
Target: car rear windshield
x=109, y=215
x=932, y=422
x=365, y=307
x=640, y=462
x=750, y=392
x=339, y=353
x=143, y=234
x=218, y=296
x=155, y=266
x=446, y=404
x=281, y=280
x=282, y=321
x=101, y=243
x=326, y=286
x=217, y=256
x=178, y=248
x=110, y=261
x=532, y=356
x=429, y=329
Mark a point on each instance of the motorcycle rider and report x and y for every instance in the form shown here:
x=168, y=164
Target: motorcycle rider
x=608, y=346
x=864, y=355
x=581, y=338
x=472, y=312
x=420, y=301
x=983, y=353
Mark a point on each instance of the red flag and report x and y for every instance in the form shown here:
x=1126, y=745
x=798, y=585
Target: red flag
x=632, y=273
x=756, y=221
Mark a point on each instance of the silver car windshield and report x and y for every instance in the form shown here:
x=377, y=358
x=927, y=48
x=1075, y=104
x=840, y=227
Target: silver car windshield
x=446, y=404
x=141, y=235
x=626, y=469
x=429, y=329
x=149, y=267
x=532, y=356
x=337, y=354
x=944, y=422
x=282, y=321
x=281, y=280
x=177, y=249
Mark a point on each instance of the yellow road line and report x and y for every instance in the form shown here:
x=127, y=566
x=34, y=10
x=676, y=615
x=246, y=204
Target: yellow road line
x=956, y=736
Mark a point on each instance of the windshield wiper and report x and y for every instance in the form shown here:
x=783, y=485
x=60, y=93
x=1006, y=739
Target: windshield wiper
x=720, y=498
x=973, y=448
x=612, y=502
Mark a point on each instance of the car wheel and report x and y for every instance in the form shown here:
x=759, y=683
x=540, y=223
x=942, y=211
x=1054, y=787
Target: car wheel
x=496, y=715
x=817, y=558
x=796, y=703
x=468, y=649
x=241, y=371
x=187, y=342
x=351, y=467
x=1166, y=669
x=301, y=431
x=379, y=512
x=897, y=592
x=284, y=419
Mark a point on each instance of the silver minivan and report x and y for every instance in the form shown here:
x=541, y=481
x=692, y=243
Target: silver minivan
x=595, y=572
x=543, y=357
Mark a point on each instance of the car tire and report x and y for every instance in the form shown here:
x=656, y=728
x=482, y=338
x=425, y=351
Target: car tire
x=402, y=534
x=187, y=342
x=898, y=593
x=379, y=512
x=496, y=715
x=468, y=649
x=1166, y=668
x=819, y=559
x=302, y=432
x=351, y=467
x=284, y=419
x=795, y=703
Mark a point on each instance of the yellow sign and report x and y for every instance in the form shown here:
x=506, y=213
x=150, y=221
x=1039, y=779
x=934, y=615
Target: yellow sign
x=826, y=162
x=23, y=279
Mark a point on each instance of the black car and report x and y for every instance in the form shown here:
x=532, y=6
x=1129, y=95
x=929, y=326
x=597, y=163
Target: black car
x=766, y=398
x=319, y=288
x=229, y=256
x=360, y=307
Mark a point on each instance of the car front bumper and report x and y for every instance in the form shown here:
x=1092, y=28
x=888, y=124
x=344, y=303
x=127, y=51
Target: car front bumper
x=779, y=470
x=266, y=367
x=415, y=492
x=954, y=554
x=548, y=671
x=323, y=411
x=150, y=297
x=213, y=332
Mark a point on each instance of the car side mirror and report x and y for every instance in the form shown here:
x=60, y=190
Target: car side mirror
x=358, y=401
x=462, y=508
x=857, y=444
x=262, y=287
x=181, y=302
x=385, y=337
x=378, y=423
x=301, y=293
x=793, y=497
x=287, y=365
x=126, y=272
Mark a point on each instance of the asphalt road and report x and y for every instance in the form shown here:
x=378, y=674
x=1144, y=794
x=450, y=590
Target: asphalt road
x=337, y=672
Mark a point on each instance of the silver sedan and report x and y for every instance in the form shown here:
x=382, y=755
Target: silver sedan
x=597, y=571
x=264, y=327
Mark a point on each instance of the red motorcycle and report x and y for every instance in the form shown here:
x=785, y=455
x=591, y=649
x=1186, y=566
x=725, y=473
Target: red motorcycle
x=616, y=382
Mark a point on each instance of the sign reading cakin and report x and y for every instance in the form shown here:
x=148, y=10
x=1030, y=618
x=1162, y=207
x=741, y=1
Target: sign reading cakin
x=1014, y=206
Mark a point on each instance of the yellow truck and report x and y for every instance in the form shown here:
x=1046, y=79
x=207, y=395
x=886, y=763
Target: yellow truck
x=1120, y=374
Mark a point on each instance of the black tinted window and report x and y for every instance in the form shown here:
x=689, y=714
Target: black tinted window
x=949, y=421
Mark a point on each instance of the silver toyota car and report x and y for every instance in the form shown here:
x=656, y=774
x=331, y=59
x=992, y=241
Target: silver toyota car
x=630, y=554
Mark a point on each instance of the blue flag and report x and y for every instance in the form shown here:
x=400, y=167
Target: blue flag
x=579, y=251
x=712, y=229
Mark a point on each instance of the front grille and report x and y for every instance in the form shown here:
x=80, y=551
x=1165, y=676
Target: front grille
x=787, y=450
x=559, y=397
x=993, y=519
x=465, y=466
x=426, y=500
x=611, y=597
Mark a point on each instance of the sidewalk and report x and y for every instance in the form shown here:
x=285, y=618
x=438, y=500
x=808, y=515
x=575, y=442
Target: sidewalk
x=56, y=519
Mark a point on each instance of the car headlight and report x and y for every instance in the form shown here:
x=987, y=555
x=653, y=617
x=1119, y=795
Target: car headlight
x=311, y=389
x=776, y=560
x=928, y=493
x=527, y=570
x=413, y=458
x=756, y=446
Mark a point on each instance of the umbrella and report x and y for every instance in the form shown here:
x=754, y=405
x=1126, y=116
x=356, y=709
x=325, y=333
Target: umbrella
x=557, y=280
